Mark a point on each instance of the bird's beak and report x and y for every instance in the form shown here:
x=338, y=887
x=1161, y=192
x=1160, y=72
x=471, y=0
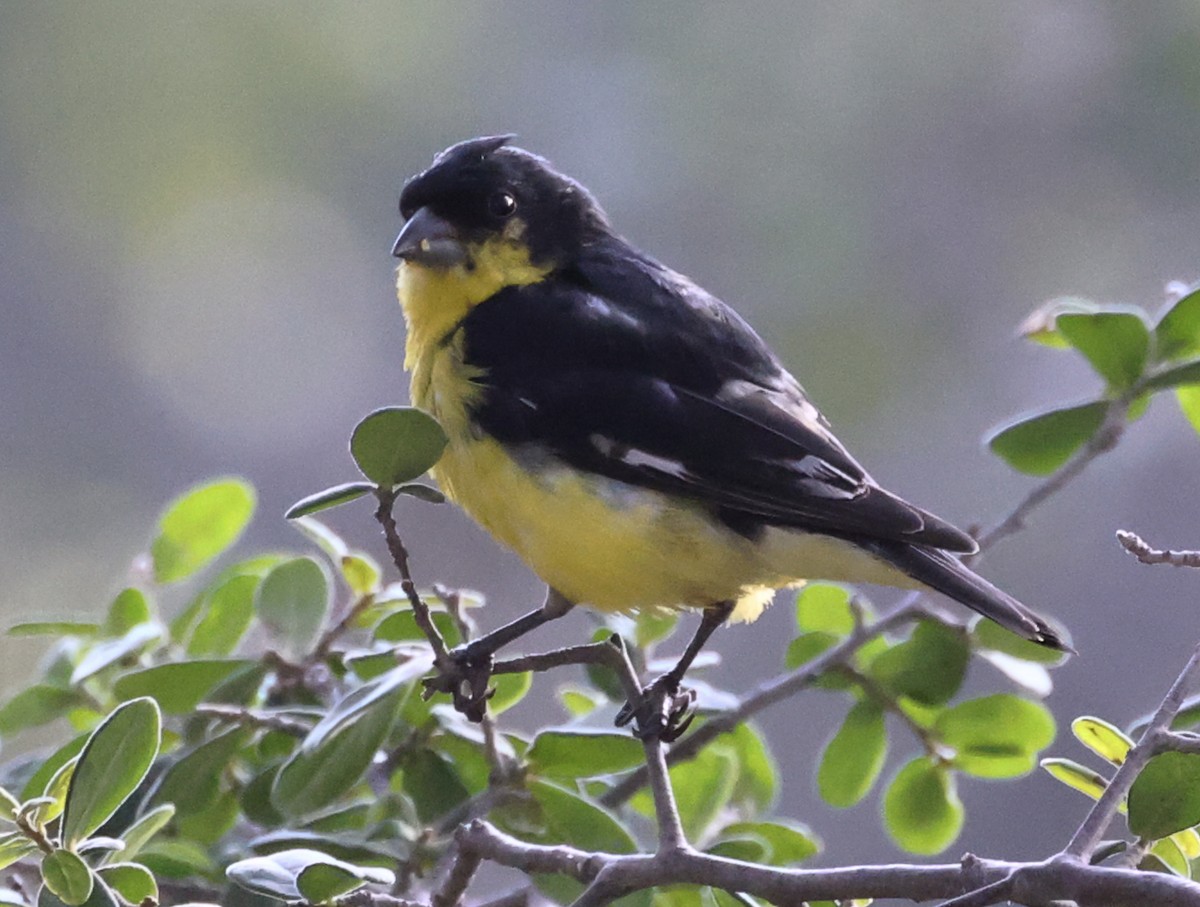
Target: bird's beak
x=430, y=241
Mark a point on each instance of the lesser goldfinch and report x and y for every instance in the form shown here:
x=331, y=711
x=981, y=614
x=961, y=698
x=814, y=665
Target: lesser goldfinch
x=623, y=430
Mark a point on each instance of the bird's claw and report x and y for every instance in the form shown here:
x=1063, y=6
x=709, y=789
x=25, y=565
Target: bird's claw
x=664, y=711
x=465, y=677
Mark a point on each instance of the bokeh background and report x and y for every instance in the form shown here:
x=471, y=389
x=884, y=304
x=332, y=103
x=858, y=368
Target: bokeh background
x=197, y=202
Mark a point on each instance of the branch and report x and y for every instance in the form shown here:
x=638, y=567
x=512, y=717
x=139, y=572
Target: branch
x=254, y=718
x=1134, y=544
x=1104, y=440
x=383, y=514
x=1032, y=883
x=334, y=632
x=1097, y=821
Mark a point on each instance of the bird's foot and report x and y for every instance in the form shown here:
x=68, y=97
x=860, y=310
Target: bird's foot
x=664, y=711
x=465, y=677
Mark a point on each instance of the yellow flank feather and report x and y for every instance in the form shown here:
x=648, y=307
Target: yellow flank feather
x=598, y=541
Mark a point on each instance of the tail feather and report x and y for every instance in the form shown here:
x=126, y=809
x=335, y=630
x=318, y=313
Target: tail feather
x=946, y=574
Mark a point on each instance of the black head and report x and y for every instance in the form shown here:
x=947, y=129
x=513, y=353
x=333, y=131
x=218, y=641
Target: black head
x=483, y=189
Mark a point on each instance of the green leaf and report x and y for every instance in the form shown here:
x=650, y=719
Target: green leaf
x=54, y=628
x=1041, y=325
x=334, y=755
x=921, y=809
x=14, y=846
x=1079, y=777
x=112, y=765
x=928, y=667
x=37, y=705
x=1170, y=856
x=361, y=573
x=1116, y=344
x=1189, y=402
x=806, y=647
x=177, y=686
x=1178, y=331
x=990, y=635
x=703, y=787
x=198, y=526
x=1039, y=444
x=854, y=757
x=194, y=780
x=509, y=690
x=396, y=444
x=129, y=609
x=1165, y=797
x=653, y=625
x=758, y=775
x=1105, y=740
x=54, y=800
x=67, y=876
x=433, y=784
x=301, y=873
x=292, y=600
x=177, y=859
x=39, y=781
x=330, y=497
x=789, y=842
x=101, y=896
x=996, y=736
x=583, y=753
x=401, y=626
x=132, y=881
x=824, y=608
x=421, y=493
x=572, y=819
x=138, y=834
x=225, y=617
x=106, y=654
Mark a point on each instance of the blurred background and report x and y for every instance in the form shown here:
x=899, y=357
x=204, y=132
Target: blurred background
x=197, y=204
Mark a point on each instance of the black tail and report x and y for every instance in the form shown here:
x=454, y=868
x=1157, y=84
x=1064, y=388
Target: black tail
x=946, y=574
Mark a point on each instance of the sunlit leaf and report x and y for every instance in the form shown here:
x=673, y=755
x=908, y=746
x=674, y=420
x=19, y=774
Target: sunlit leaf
x=854, y=757
x=583, y=753
x=139, y=834
x=37, y=705
x=128, y=609
x=990, y=635
x=132, y=881
x=921, y=809
x=1041, y=325
x=996, y=736
x=1183, y=375
x=1177, y=333
x=1079, y=777
x=396, y=444
x=1115, y=343
x=824, y=608
x=1039, y=444
x=193, y=781
x=200, y=524
x=1189, y=402
x=928, y=667
x=789, y=842
x=177, y=686
x=67, y=876
x=1105, y=740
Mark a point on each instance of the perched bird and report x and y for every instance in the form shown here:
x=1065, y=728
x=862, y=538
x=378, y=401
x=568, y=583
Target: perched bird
x=623, y=430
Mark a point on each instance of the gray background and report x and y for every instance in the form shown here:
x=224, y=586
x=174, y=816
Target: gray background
x=197, y=201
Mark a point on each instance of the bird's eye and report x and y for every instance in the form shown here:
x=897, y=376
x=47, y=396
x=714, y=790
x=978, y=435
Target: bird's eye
x=502, y=204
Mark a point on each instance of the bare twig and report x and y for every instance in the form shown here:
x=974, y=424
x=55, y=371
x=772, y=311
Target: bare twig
x=335, y=631
x=885, y=700
x=254, y=718
x=383, y=514
x=1176, y=742
x=1085, y=839
x=366, y=898
x=1104, y=440
x=1134, y=544
x=457, y=880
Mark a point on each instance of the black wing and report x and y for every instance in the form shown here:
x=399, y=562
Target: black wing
x=623, y=368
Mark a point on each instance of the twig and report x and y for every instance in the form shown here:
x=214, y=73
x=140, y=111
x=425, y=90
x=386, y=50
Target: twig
x=254, y=718
x=1104, y=440
x=1176, y=742
x=1088, y=835
x=457, y=880
x=1134, y=544
x=383, y=514
x=334, y=632
x=366, y=898
x=768, y=693
x=992, y=893
x=876, y=691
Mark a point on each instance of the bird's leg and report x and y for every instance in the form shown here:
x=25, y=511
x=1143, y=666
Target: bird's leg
x=663, y=709
x=466, y=678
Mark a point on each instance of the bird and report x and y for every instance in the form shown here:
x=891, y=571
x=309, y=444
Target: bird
x=627, y=433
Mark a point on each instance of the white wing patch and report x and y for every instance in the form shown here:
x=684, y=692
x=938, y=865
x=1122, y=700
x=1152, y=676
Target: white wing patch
x=631, y=456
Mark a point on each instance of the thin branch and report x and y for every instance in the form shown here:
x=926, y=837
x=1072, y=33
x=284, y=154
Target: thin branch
x=1088, y=835
x=992, y=893
x=877, y=692
x=383, y=514
x=254, y=718
x=768, y=693
x=1134, y=544
x=366, y=898
x=1104, y=440
x=335, y=631
x=457, y=880
x=1174, y=741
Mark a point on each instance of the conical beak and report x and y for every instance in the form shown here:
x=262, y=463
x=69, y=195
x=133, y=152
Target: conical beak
x=430, y=241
